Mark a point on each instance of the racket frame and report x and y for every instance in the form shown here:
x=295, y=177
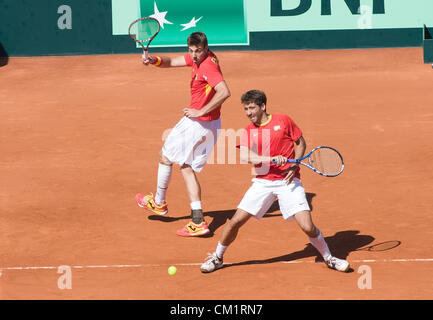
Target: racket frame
x=145, y=48
x=299, y=161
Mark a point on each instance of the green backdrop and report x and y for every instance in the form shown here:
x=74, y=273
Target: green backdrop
x=59, y=27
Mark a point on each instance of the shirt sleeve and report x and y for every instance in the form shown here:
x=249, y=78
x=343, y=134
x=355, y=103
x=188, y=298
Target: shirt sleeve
x=188, y=59
x=293, y=130
x=213, y=73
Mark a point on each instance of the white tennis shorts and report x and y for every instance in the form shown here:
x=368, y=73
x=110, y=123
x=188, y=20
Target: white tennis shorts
x=262, y=194
x=191, y=142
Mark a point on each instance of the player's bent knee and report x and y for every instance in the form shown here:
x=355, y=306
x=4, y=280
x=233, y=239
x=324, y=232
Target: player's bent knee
x=310, y=230
x=234, y=223
x=239, y=219
x=186, y=168
x=306, y=224
x=164, y=160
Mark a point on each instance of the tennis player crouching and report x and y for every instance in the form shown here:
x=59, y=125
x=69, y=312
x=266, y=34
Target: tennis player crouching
x=279, y=137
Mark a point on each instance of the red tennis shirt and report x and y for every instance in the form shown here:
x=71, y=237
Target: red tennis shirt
x=273, y=138
x=204, y=78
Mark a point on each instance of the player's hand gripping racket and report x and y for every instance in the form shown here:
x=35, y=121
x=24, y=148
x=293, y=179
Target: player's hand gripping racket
x=323, y=160
x=143, y=31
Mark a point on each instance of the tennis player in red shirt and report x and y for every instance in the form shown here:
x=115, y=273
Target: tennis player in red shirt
x=267, y=138
x=191, y=141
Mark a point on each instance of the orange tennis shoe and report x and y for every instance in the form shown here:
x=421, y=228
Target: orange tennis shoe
x=148, y=202
x=193, y=230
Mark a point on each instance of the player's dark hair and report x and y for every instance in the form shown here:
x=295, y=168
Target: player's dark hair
x=254, y=96
x=197, y=39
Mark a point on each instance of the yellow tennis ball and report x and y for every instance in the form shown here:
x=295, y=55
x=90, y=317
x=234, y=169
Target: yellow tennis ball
x=172, y=270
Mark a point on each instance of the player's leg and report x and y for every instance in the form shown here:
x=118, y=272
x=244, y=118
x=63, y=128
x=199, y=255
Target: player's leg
x=197, y=226
x=214, y=261
x=293, y=204
x=315, y=236
x=231, y=229
x=157, y=204
x=194, y=193
x=305, y=222
x=191, y=182
x=205, y=133
x=165, y=168
x=256, y=201
x=176, y=149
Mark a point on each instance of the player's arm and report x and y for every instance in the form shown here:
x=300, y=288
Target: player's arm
x=164, y=62
x=299, y=146
x=222, y=92
x=249, y=156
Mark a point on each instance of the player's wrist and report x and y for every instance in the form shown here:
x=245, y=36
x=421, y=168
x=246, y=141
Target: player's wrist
x=156, y=61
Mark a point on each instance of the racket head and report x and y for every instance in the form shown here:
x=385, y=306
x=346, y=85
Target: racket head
x=383, y=246
x=326, y=161
x=144, y=30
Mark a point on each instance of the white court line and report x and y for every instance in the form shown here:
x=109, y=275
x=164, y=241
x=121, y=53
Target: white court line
x=115, y=266
x=86, y=267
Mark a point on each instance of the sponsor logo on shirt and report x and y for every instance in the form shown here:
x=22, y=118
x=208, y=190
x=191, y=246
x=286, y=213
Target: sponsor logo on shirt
x=214, y=60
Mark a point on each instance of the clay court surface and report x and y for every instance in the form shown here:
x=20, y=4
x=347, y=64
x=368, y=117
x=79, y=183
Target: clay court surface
x=80, y=137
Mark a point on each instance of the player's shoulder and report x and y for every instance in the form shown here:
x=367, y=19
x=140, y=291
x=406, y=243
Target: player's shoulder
x=250, y=126
x=281, y=117
x=212, y=59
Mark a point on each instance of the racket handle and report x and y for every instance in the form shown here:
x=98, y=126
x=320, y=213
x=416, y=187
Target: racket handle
x=146, y=54
x=288, y=161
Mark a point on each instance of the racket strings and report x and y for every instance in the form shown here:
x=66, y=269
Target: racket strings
x=326, y=161
x=144, y=30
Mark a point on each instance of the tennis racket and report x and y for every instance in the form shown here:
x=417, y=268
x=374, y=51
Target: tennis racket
x=143, y=31
x=323, y=160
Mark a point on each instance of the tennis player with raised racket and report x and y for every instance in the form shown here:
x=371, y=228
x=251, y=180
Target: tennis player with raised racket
x=191, y=141
x=268, y=141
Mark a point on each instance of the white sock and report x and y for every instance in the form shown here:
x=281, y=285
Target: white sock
x=220, y=250
x=320, y=244
x=196, y=205
x=164, y=175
